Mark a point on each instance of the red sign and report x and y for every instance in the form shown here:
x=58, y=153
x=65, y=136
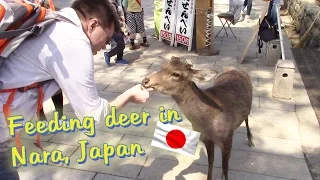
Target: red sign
x=166, y=35
x=182, y=39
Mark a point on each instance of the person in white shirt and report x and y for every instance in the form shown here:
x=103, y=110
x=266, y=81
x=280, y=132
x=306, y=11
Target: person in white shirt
x=63, y=52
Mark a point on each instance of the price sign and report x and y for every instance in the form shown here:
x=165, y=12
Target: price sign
x=168, y=21
x=185, y=22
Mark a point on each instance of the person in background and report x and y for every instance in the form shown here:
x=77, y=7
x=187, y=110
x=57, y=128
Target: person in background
x=272, y=12
x=118, y=38
x=135, y=21
x=248, y=4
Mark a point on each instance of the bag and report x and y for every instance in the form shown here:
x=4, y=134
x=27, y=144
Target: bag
x=19, y=20
x=267, y=30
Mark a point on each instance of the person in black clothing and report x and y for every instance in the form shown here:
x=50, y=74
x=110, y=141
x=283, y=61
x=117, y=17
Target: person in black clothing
x=118, y=39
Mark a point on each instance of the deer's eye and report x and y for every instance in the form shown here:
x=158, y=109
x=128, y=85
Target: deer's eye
x=176, y=74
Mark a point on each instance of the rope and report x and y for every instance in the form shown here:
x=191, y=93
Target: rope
x=208, y=27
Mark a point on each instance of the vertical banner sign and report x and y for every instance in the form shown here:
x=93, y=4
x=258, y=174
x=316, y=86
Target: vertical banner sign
x=185, y=21
x=168, y=20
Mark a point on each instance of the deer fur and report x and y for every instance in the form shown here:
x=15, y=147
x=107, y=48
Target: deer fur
x=215, y=112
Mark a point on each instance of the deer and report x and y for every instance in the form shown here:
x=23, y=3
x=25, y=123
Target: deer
x=216, y=112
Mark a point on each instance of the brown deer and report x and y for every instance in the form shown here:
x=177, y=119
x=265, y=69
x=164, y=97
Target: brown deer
x=214, y=112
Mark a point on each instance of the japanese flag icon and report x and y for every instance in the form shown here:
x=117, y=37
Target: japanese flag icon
x=175, y=138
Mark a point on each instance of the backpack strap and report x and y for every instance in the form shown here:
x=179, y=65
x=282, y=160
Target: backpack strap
x=33, y=86
x=35, y=29
x=51, y=5
x=10, y=46
x=19, y=21
x=7, y=112
x=260, y=45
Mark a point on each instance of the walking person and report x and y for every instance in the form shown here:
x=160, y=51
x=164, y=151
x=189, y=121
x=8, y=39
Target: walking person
x=246, y=4
x=118, y=39
x=272, y=12
x=135, y=22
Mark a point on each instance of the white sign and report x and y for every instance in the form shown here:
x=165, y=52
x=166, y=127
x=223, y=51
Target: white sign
x=168, y=20
x=184, y=24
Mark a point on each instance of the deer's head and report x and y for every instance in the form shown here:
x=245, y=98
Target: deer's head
x=175, y=75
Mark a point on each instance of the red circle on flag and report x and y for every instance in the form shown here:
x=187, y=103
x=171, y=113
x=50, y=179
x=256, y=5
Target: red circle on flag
x=176, y=139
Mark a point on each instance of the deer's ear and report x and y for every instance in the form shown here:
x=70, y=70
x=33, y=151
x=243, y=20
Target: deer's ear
x=203, y=75
x=188, y=64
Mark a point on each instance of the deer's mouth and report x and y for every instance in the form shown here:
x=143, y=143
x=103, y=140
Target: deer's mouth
x=154, y=88
x=151, y=86
x=148, y=87
x=157, y=88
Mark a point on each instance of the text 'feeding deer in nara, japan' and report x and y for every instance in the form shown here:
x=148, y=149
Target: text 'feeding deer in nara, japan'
x=215, y=112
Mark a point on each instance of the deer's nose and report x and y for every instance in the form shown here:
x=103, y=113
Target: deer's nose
x=145, y=81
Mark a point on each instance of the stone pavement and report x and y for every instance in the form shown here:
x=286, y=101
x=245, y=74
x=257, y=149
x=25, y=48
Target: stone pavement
x=308, y=63
x=309, y=66
x=280, y=139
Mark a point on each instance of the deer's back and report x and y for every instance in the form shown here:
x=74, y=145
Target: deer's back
x=233, y=89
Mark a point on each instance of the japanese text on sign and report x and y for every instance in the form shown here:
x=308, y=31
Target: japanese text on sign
x=184, y=16
x=168, y=20
x=185, y=19
x=168, y=12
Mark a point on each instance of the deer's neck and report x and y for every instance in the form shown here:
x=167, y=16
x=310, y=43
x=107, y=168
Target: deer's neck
x=188, y=92
x=192, y=96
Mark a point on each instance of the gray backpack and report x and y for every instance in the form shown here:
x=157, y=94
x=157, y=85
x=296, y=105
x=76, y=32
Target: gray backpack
x=19, y=20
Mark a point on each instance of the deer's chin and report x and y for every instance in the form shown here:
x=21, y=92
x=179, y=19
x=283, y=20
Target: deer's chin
x=163, y=91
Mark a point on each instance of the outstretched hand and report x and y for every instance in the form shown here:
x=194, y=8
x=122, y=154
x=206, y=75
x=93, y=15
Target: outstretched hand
x=136, y=94
x=139, y=94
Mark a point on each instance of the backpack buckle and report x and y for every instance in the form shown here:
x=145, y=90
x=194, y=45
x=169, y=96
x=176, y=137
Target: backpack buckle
x=37, y=30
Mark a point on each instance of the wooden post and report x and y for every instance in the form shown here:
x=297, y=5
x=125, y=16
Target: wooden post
x=201, y=16
x=212, y=22
x=201, y=22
